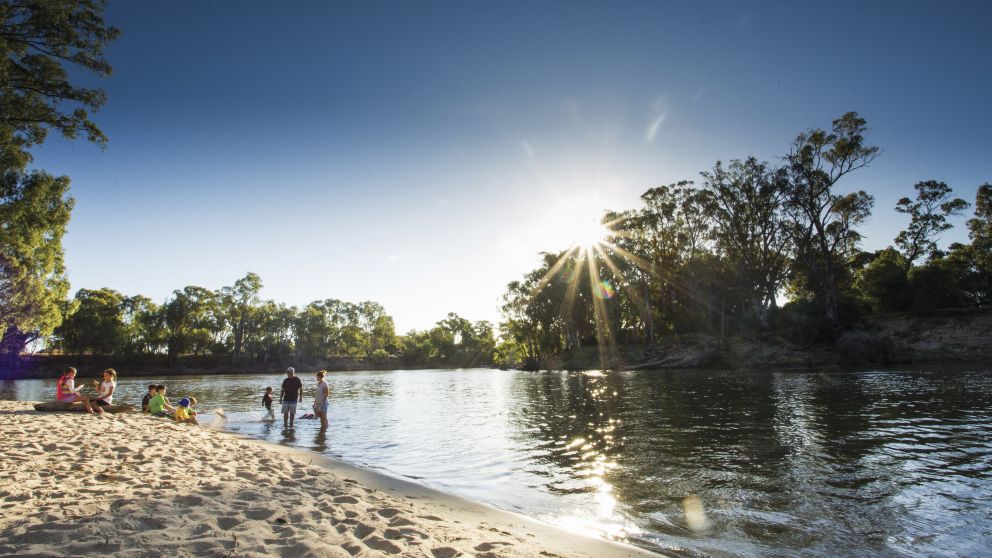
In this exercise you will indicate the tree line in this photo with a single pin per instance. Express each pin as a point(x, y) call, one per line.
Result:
point(717, 257)
point(235, 324)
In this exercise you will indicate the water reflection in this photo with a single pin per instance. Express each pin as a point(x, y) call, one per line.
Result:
point(698, 463)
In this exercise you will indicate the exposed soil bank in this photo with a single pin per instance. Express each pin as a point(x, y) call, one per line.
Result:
point(950, 336)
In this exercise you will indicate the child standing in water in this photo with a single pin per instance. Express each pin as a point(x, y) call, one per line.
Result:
point(267, 403)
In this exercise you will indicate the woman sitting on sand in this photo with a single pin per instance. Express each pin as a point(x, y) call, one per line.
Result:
point(66, 390)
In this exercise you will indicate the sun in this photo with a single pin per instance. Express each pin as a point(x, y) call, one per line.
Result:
point(576, 224)
point(585, 232)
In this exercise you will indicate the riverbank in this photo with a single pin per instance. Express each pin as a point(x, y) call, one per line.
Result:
point(132, 485)
point(942, 337)
point(52, 366)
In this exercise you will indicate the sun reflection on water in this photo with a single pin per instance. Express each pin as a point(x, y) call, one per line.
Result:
point(591, 457)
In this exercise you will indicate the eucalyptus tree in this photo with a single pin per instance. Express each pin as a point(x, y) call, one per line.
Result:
point(823, 222)
point(144, 326)
point(186, 319)
point(238, 308)
point(885, 281)
point(676, 226)
point(41, 42)
point(42, 45)
point(34, 212)
point(276, 331)
point(631, 252)
point(980, 226)
point(928, 218)
point(980, 233)
point(96, 326)
point(377, 334)
point(750, 228)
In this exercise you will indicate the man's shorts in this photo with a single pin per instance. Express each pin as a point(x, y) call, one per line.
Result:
point(289, 407)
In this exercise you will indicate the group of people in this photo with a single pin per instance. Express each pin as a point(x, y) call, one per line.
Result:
point(291, 395)
point(154, 403)
point(157, 404)
point(68, 392)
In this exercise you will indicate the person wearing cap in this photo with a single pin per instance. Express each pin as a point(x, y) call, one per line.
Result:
point(290, 394)
point(184, 412)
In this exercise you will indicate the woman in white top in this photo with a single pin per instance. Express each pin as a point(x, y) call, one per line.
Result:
point(320, 399)
point(105, 395)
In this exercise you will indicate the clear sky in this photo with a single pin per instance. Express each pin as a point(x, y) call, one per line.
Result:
point(421, 154)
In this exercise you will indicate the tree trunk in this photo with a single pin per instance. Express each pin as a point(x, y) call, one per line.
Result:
point(649, 315)
point(239, 334)
point(831, 306)
point(11, 346)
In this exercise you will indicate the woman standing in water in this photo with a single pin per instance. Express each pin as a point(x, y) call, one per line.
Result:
point(320, 399)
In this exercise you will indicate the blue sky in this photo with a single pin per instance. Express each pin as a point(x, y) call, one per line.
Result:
point(421, 154)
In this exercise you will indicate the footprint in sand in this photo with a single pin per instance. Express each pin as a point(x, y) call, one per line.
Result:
point(382, 545)
point(226, 523)
point(400, 521)
point(363, 530)
point(346, 500)
point(258, 513)
point(445, 552)
point(387, 512)
point(486, 546)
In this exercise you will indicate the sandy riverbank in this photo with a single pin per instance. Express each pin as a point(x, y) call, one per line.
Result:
point(131, 485)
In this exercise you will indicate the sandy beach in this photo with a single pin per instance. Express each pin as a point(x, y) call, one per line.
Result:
point(132, 485)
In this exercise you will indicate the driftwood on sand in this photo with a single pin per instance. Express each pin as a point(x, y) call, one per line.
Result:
point(77, 407)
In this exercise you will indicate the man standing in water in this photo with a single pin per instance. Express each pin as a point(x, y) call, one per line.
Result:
point(290, 394)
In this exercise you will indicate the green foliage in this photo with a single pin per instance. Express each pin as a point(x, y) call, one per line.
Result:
point(97, 325)
point(936, 285)
point(40, 43)
point(823, 222)
point(188, 319)
point(34, 212)
point(884, 282)
point(750, 229)
point(715, 260)
point(928, 218)
point(980, 228)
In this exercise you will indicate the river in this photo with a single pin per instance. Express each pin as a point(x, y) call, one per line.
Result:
point(695, 463)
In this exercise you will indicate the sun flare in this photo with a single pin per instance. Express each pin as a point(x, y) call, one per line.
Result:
point(577, 224)
point(585, 233)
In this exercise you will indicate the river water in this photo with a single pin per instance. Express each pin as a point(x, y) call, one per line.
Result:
point(693, 463)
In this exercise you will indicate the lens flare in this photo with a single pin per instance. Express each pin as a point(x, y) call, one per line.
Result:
point(604, 290)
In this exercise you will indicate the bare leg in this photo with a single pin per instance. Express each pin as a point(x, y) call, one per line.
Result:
point(323, 420)
point(86, 404)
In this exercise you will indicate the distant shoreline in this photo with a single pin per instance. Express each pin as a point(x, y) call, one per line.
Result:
point(943, 337)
